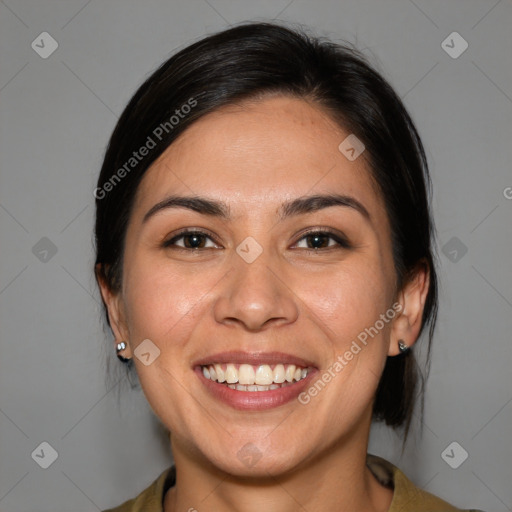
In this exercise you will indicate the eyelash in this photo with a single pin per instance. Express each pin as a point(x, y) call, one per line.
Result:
point(341, 241)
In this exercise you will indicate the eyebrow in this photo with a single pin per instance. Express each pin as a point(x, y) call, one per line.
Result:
point(298, 206)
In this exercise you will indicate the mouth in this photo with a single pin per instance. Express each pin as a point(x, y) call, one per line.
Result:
point(252, 378)
point(248, 381)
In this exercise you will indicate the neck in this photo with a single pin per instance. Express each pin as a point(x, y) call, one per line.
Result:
point(336, 480)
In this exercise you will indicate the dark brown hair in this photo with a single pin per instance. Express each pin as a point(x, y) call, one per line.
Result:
point(250, 61)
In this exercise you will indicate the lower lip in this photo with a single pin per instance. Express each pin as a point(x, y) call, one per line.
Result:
point(254, 400)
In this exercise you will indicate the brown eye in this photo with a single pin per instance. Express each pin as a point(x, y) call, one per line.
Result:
point(321, 240)
point(191, 240)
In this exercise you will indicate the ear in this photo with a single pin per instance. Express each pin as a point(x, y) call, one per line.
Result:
point(116, 314)
point(406, 326)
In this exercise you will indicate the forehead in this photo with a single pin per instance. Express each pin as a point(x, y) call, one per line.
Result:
point(257, 154)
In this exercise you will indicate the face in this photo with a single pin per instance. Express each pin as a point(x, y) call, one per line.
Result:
point(261, 293)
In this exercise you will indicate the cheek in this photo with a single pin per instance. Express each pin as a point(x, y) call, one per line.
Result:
point(164, 305)
point(161, 301)
point(350, 307)
point(350, 301)
point(353, 314)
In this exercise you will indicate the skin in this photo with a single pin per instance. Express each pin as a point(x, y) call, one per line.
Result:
point(196, 302)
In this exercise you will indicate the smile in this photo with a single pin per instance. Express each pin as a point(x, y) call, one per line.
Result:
point(254, 378)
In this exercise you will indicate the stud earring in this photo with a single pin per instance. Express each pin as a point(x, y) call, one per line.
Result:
point(121, 346)
point(402, 347)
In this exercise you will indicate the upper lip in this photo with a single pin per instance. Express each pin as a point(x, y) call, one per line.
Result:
point(255, 358)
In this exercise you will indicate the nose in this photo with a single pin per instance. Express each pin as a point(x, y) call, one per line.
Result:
point(256, 296)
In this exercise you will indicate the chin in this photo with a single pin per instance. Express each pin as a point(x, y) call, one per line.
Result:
point(260, 459)
point(256, 465)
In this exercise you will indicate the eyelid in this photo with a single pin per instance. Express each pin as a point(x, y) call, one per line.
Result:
point(337, 236)
point(188, 231)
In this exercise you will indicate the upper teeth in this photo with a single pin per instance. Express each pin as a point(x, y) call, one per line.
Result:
point(246, 374)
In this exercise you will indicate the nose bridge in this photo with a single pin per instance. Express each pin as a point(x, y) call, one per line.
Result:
point(254, 292)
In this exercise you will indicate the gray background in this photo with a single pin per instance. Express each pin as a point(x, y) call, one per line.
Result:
point(56, 115)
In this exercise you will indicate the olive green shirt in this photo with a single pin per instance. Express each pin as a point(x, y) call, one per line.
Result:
point(406, 496)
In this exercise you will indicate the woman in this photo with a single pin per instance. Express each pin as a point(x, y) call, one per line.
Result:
point(265, 258)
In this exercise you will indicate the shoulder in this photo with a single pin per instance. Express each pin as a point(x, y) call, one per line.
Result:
point(407, 497)
point(151, 498)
